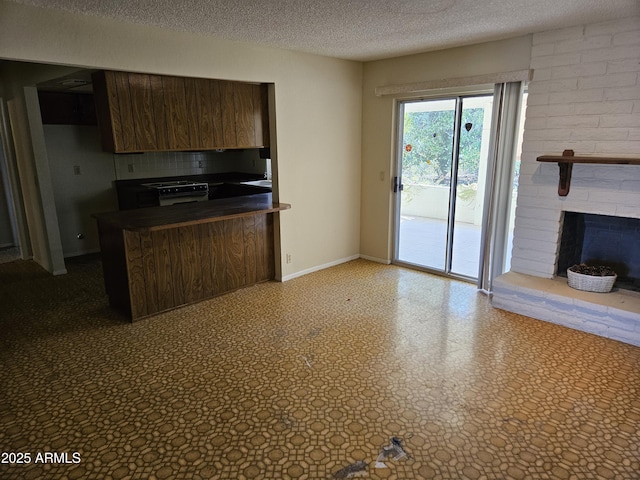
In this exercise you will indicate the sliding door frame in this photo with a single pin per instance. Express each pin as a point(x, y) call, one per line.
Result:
point(488, 232)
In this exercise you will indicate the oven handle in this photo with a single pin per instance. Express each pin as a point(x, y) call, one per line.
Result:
point(184, 194)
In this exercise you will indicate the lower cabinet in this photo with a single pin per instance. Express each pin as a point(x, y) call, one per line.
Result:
point(149, 272)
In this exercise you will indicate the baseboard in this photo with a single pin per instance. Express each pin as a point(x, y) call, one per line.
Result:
point(319, 267)
point(376, 259)
point(80, 253)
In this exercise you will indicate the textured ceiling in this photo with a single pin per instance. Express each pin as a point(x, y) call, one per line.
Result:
point(355, 29)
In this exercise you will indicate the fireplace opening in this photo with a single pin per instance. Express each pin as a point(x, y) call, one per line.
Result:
point(602, 240)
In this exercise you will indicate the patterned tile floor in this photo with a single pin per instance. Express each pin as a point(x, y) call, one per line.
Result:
point(305, 378)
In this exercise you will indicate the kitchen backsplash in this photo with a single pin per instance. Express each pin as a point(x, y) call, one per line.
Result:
point(167, 164)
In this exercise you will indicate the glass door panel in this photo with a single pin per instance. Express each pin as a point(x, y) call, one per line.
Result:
point(470, 183)
point(427, 152)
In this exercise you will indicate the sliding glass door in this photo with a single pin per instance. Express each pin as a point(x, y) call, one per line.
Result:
point(443, 153)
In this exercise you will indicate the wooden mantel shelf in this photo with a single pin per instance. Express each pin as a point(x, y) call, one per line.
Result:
point(567, 159)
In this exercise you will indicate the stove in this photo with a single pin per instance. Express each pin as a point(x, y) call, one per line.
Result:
point(179, 191)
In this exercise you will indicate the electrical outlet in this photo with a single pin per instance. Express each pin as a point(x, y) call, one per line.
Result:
point(288, 257)
point(381, 175)
point(130, 167)
point(200, 164)
point(76, 169)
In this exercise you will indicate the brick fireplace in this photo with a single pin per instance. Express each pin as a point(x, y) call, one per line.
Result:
point(584, 96)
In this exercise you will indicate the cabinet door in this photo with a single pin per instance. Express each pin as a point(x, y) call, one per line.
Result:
point(115, 117)
point(227, 104)
point(261, 112)
point(143, 113)
point(124, 111)
point(245, 115)
point(252, 118)
point(204, 108)
point(159, 113)
point(126, 140)
point(176, 113)
point(193, 112)
point(210, 113)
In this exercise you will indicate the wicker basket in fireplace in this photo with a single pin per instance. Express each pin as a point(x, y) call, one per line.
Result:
point(599, 279)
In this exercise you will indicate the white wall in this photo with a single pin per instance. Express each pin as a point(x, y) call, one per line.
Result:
point(78, 196)
point(378, 155)
point(317, 110)
point(585, 96)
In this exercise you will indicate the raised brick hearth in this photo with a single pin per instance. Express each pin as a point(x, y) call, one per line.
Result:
point(613, 315)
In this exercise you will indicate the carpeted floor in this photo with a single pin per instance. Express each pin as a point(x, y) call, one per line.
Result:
point(314, 378)
point(9, 254)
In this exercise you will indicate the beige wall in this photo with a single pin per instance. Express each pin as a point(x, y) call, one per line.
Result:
point(378, 155)
point(318, 111)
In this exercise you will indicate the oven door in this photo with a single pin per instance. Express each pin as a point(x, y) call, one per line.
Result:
point(189, 198)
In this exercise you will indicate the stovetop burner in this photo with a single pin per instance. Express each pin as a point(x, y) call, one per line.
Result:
point(179, 191)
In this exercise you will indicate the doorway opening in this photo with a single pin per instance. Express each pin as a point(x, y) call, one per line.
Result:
point(10, 248)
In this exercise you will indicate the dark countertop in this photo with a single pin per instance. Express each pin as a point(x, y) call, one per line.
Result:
point(184, 214)
point(234, 177)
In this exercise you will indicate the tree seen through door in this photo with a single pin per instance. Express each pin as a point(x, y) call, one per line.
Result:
point(428, 137)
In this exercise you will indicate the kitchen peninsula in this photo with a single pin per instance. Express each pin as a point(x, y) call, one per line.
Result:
point(159, 258)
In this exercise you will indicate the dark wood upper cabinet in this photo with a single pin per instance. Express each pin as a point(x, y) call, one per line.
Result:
point(142, 111)
point(227, 105)
point(67, 108)
point(261, 114)
point(176, 112)
point(106, 111)
point(159, 113)
point(245, 115)
point(127, 127)
point(139, 112)
point(209, 116)
point(193, 111)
